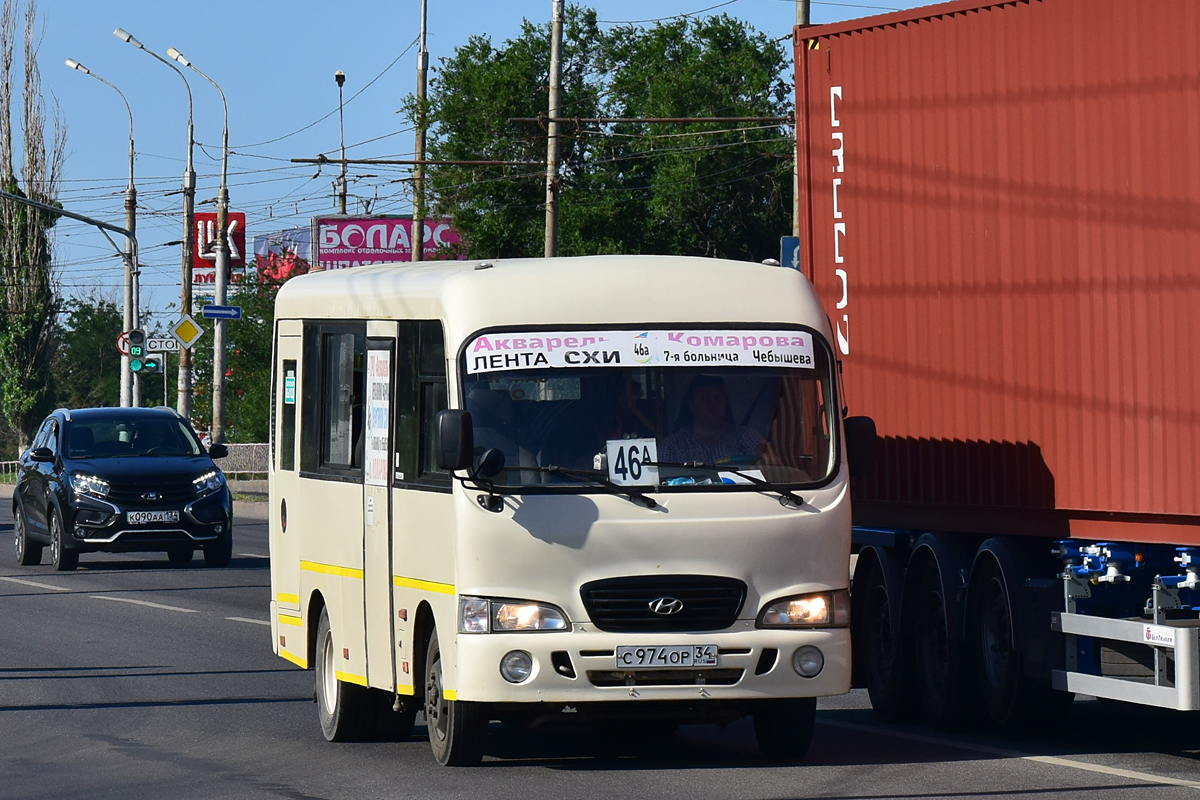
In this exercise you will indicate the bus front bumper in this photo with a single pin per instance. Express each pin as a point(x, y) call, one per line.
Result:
point(581, 666)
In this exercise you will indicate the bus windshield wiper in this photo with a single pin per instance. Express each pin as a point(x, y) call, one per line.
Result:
point(595, 476)
point(786, 497)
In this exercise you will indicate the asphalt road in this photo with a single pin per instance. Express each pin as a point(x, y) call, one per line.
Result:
point(130, 678)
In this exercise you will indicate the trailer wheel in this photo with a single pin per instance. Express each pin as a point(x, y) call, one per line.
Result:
point(938, 656)
point(456, 728)
point(877, 646)
point(346, 711)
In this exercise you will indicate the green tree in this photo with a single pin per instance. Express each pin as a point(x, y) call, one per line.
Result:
point(87, 366)
point(27, 293)
point(694, 189)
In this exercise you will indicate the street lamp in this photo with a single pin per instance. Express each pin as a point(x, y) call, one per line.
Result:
point(222, 265)
point(184, 385)
point(130, 386)
point(340, 77)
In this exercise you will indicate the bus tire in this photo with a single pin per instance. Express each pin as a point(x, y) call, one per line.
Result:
point(346, 711)
point(877, 644)
point(28, 552)
point(456, 728)
point(784, 728)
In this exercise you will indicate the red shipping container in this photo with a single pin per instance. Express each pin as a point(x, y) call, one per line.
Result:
point(1000, 207)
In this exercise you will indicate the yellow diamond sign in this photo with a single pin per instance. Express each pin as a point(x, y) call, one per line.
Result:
point(186, 331)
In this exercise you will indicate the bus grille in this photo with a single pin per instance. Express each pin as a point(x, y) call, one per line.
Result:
point(624, 604)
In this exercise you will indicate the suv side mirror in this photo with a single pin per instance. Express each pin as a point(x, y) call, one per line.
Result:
point(861, 445)
point(454, 446)
point(43, 454)
point(218, 450)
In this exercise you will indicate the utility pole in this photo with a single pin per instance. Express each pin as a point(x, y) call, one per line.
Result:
point(340, 77)
point(418, 221)
point(802, 18)
point(556, 26)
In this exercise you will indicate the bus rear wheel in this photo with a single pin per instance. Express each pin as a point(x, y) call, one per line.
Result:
point(347, 711)
point(456, 728)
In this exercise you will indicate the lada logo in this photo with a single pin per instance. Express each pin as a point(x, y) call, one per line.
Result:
point(666, 606)
point(150, 495)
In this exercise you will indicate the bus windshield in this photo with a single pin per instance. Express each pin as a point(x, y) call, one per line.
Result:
point(652, 408)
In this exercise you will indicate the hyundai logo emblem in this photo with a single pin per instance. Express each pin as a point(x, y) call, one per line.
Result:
point(666, 606)
point(150, 496)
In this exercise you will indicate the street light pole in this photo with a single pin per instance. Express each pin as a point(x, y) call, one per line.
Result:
point(418, 220)
point(130, 386)
point(222, 264)
point(184, 385)
point(556, 28)
point(340, 77)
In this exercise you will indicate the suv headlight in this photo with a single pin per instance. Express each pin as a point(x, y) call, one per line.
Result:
point(484, 615)
point(209, 482)
point(84, 484)
point(814, 610)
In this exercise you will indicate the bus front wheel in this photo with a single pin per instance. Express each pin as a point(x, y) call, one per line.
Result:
point(456, 728)
point(347, 711)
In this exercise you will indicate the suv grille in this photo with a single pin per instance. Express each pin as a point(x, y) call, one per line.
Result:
point(623, 604)
point(175, 492)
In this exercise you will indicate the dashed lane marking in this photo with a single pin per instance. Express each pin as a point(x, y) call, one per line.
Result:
point(251, 621)
point(1056, 761)
point(146, 603)
point(35, 584)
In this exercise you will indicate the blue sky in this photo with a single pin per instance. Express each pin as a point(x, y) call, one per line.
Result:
point(275, 62)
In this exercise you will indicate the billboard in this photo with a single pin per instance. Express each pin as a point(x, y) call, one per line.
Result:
point(204, 242)
point(342, 242)
point(282, 254)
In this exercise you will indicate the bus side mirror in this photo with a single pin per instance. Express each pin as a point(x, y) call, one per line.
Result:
point(455, 446)
point(218, 451)
point(861, 445)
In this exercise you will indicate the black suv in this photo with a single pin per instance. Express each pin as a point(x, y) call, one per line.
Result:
point(121, 480)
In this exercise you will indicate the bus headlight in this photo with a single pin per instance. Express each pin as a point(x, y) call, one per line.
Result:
point(484, 615)
point(817, 609)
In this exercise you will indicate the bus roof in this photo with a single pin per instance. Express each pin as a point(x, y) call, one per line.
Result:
point(580, 291)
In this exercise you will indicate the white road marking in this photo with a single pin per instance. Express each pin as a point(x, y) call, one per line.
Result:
point(1056, 761)
point(251, 555)
point(35, 584)
point(252, 621)
point(146, 603)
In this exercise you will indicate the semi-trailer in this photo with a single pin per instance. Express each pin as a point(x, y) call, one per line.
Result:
point(1000, 209)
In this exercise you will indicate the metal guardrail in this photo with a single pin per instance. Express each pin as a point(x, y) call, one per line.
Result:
point(243, 460)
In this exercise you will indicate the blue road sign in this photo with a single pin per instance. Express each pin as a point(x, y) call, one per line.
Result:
point(221, 312)
point(789, 251)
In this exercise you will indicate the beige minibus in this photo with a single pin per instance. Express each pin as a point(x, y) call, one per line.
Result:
point(608, 491)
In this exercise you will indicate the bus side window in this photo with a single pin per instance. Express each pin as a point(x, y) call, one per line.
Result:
point(332, 400)
point(420, 394)
point(287, 418)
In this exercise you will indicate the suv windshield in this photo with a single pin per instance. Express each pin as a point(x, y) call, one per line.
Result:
point(652, 408)
point(152, 435)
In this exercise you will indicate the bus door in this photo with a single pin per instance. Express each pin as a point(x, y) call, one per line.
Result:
point(285, 474)
point(377, 515)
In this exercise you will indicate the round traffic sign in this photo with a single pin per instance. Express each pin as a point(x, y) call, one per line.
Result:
point(123, 343)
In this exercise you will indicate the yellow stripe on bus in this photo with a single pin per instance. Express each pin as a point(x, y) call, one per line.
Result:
point(297, 660)
point(288, 619)
point(331, 569)
point(294, 599)
point(428, 586)
point(347, 677)
point(450, 694)
point(408, 690)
